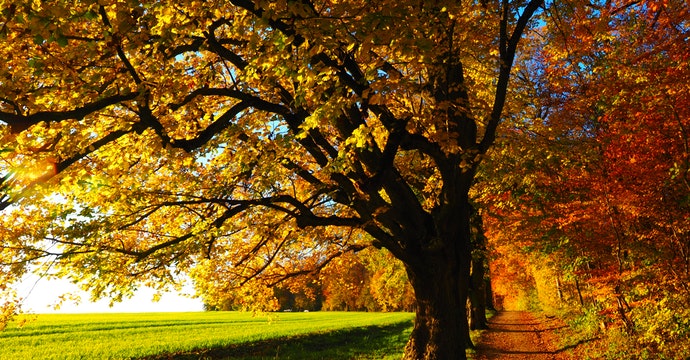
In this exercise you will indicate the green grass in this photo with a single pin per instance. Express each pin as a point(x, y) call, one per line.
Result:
point(209, 335)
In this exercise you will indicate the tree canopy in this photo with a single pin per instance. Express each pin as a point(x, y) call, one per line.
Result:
point(246, 143)
point(251, 141)
point(587, 207)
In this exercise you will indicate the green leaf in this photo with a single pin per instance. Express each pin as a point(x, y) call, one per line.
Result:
point(90, 15)
point(35, 63)
point(61, 40)
point(38, 39)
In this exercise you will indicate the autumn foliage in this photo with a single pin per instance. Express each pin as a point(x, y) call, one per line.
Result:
point(598, 212)
point(264, 147)
point(369, 280)
point(247, 143)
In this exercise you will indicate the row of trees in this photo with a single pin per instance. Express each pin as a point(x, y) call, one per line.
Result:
point(594, 198)
point(370, 280)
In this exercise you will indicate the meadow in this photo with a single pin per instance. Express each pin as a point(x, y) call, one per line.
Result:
point(208, 335)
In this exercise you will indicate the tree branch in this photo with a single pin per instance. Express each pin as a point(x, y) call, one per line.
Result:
point(507, 49)
point(323, 264)
point(19, 122)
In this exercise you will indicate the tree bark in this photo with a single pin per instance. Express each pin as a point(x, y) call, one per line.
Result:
point(489, 294)
point(441, 281)
point(478, 296)
point(438, 266)
point(441, 330)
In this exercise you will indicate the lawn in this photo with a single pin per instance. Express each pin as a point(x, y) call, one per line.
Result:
point(209, 335)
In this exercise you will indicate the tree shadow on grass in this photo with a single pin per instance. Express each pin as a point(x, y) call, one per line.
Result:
point(370, 342)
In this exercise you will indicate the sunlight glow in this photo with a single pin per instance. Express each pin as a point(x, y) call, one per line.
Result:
point(45, 295)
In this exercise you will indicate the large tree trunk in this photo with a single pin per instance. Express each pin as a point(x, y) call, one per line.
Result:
point(441, 283)
point(441, 330)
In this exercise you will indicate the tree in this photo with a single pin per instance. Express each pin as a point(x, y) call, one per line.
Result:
point(346, 285)
point(479, 279)
point(389, 284)
point(371, 280)
point(252, 140)
point(603, 199)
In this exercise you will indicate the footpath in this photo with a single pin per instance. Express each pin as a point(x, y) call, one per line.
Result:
point(517, 335)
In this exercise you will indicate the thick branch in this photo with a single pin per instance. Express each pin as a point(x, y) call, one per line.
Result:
point(19, 122)
point(217, 47)
point(507, 49)
point(255, 101)
point(217, 223)
point(6, 198)
point(305, 217)
point(111, 137)
point(274, 23)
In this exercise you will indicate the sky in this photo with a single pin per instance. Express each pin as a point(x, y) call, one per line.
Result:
point(42, 297)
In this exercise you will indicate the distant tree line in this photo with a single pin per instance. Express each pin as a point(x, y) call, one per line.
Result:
point(364, 281)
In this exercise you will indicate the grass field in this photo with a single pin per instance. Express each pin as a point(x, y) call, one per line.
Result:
point(209, 335)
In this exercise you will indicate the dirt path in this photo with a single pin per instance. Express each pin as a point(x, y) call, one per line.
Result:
point(516, 335)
